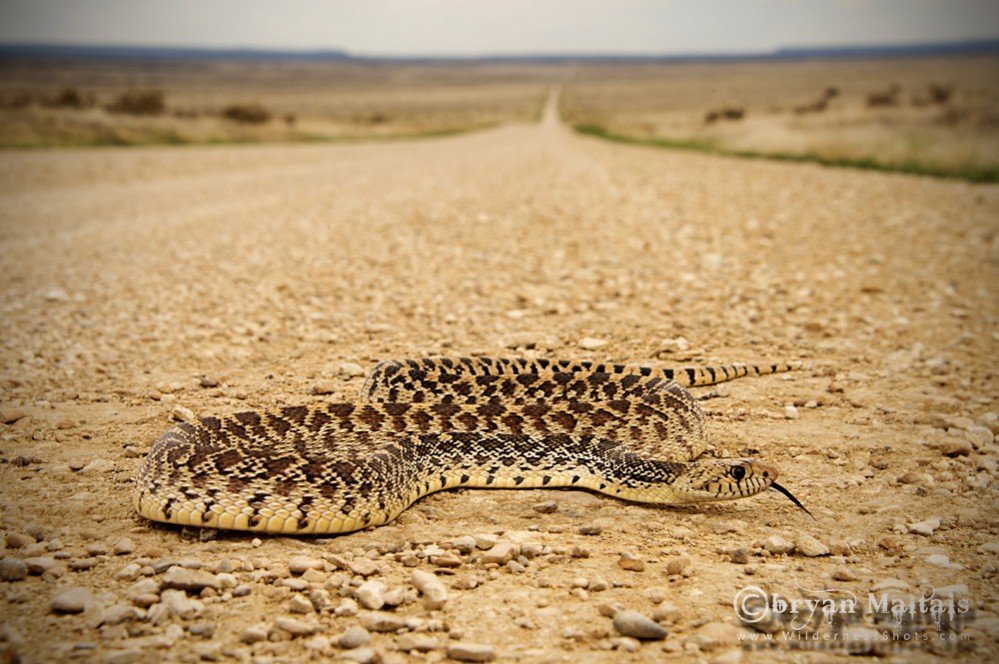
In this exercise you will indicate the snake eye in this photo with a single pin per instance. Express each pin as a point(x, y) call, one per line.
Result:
point(738, 473)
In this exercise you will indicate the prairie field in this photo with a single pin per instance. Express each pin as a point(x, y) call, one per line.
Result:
point(941, 114)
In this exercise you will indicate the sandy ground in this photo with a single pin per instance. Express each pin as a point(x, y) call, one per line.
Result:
point(139, 283)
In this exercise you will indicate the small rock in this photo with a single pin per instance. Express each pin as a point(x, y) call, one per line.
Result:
point(501, 553)
point(677, 565)
point(843, 574)
point(471, 652)
point(739, 556)
point(591, 343)
point(323, 388)
point(666, 612)
point(380, 621)
point(546, 507)
point(677, 345)
point(192, 580)
point(254, 633)
point(351, 369)
point(179, 604)
point(363, 655)
point(302, 564)
point(299, 604)
point(891, 584)
point(370, 594)
point(979, 436)
point(98, 466)
point(433, 591)
point(17, 540)
point(40, 565)
point(354, 637)
point(926, 527)
point(629, 562)
point(123, 546)
point(810, 546)
point(633, 623)
point(953, 447)
point(790, 413)
point(129, 572)
point(72, 600)
point(363, 566)
point(13, 569)
point(416, 641)
point(182, 414)
point(591, 529)
point(485, 541)
point(9, 415)
point(778, 545)
point(296, 627)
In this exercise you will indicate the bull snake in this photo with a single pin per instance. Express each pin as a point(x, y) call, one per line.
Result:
point(424, 425)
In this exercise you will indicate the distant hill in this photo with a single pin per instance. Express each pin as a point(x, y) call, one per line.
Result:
point(789, 53)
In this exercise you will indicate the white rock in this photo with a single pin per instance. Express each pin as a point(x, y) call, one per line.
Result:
point(433, 591)
point(926, 527)
point(590, 343)
point(370, 594)
point(633, 623)
point(72, 600)
point(810, 546)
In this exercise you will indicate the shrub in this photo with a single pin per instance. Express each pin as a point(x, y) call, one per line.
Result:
point(884, 98)
point(246, 113)
point(69, 98)
point(139, 102)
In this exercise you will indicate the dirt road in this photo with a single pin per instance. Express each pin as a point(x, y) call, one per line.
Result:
point(140, 284)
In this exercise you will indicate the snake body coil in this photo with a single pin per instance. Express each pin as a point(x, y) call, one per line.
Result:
point(425, 425)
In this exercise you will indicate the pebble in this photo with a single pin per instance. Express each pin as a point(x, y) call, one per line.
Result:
point(16, 540)
point(351, 369)
point(591, 529)
point(9, 415)
point(123, 546)
point(810, 546)
point(129, 572)
point(323, 388)
point(354, 637)
point(629, 562)
point(677, 565)
point(182, 414)
point(778, 545)
point(791, 413)
point(179, 604)
point(296, 627)
point(72, 600)
point(302, 564)
point(471, 652)
point(254, 634)
point(380, 621)
point(546, 507)
point(299, 604)
point(666, 612)
point(891, 584)
point(13, 569)
point(633, 623)
point(40, 564)
point(485, 541)
point(193, 580)
point(370, 594)
point(363, 566)
point(501, 553)
point(926, 527)
point(362, 655)
point(979, 436)
point(464, 544)
point(953, 447)
point(416, 641)
point(433, 591)
point(739, 556)
point(98, 466)
point(843, 574)
point(591, 343)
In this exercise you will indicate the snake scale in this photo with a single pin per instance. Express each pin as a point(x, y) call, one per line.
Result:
point(629, 431)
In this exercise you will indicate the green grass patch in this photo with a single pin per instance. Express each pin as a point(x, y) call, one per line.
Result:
point(980, 174)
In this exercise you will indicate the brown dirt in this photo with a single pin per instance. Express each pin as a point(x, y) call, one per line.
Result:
point(130, 278)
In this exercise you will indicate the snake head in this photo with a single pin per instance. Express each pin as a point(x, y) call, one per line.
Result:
point(725, 479)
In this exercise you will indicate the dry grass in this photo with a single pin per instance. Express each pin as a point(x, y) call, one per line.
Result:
point(927, 114)
point(252, 101)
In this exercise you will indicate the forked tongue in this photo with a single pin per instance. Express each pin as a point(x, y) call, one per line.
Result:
point(778, 488)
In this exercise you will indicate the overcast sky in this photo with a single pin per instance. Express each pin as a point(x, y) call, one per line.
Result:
point(496, 27)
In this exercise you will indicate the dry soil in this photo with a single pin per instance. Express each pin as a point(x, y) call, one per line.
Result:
point(141, 284)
